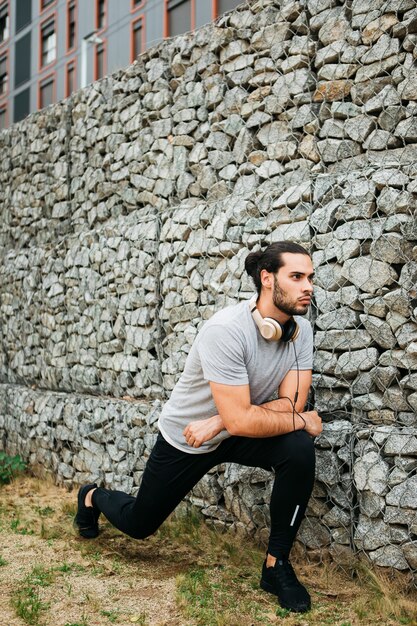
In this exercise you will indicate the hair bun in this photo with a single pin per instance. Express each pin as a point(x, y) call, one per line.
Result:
point(251, 262)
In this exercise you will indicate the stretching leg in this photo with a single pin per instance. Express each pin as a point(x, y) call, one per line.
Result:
point(168, 476)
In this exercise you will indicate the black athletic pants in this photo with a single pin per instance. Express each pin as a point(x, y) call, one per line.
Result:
point(170, 474)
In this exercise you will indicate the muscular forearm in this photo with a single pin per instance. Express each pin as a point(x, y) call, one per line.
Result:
point(261, 421)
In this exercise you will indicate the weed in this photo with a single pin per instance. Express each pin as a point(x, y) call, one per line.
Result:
point(112, 616)
point(26, 600)
point(10, 466)
point(2, 561)
point(280, 612)
point(16, 527)
point(45, 511)
point(70, 567)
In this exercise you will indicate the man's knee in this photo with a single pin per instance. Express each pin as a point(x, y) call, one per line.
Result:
point(142, 532)
point(300, 451)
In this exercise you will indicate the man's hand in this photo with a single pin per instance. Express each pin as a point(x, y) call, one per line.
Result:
point(200, 431)
point(313, 425)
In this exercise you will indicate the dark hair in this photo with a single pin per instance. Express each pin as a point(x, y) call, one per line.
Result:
point(270, 259)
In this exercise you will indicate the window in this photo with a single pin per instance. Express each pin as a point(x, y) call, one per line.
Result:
point(21, 105)
point(137, 38)
point(46, 93)
point(22, 55)
point(179, 17)
point(48, 45)
point(99, 61)
point(3, 118)
point(46, 3)
point(4, 22)
point(135, 4)
point(71, 26)
point(101, 14)
point(23, 13)
point(227, 5)
point(70, 84)
point(4, 77)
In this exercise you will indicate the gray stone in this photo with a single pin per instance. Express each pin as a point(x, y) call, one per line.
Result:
point(359, 128)
point(407, 130)
point(371, 504)
point(389, 556)
point(404, 495)
point(371, 533)
point(332, 150)
point(379, 330)
point(410, 553)
point(350, 363)
point(391, 248)
point(367, 274)
point(342, 339)
point(407, 89)
point(371, 473)
point(385, 47)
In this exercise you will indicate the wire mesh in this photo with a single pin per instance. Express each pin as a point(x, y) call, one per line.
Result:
point(127, 213)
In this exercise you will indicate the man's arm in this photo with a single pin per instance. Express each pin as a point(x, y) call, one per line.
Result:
point(240, 417)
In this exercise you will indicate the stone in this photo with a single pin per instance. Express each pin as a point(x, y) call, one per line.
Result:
point(371, 473)
point(407, 130)
point(332, 150)
point(385, 47)
point(387, 97)
point(367, 89)
point(308, 148)
point(313, 535)
point(332, 128)
point(359, 128)
point(407, 89)
point(361, 360)
point(402, 444)
point(374, 29)
point(270, 35)
point(410, 553)
point(379, 330)
point(390, 117)
point(274, 132)
point(342, 339)
point(371, 504)
point(380, 140)
point(389, 556)
point(371, 533)
point(391, 248)
point(333, 90)
point(404, 495)
point(334, 29)
point(367, 274)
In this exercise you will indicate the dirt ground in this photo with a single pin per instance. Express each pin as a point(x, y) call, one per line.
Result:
point(185, 575)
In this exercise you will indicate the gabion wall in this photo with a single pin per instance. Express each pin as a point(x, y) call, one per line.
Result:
point(127, 212)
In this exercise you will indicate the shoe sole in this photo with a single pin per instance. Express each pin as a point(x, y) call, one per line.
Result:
point(270, 589)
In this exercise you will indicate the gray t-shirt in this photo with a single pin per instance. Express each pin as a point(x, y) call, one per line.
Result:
point(229, 349)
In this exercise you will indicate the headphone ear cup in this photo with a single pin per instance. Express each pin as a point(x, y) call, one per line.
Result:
point(291, 330)
point(271, 329)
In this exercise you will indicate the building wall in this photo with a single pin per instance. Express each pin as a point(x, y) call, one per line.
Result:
point(126, 215)
point(116, 35)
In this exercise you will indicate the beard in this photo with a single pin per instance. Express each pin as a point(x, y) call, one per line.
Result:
point(284, 304)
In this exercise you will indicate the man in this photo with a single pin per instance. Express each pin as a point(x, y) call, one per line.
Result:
point(219, 412)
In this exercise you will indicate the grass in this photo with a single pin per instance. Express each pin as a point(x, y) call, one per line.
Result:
point(26, 599)
point(185, 575)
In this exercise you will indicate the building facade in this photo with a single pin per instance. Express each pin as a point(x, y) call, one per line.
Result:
point(50, 48)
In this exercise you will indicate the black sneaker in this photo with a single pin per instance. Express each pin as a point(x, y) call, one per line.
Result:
point(282, 582)
point(86, 519)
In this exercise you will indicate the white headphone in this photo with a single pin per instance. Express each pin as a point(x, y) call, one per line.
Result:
point(270, 328)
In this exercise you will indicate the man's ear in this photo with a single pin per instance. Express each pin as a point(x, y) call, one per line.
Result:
point(267, 279)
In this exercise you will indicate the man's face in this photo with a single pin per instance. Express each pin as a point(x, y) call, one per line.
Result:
point(293, 284)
